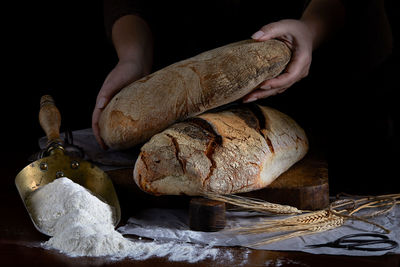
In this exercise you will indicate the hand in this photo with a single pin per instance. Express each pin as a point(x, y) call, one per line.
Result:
point(298, 37)
point(124, 73)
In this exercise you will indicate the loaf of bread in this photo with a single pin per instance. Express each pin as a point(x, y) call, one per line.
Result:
point(188, 88)
point(232, 151)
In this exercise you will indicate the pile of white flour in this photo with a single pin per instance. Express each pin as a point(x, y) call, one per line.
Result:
point(82, 225)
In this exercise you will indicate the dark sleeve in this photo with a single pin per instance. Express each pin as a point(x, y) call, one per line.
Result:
point(114, 9)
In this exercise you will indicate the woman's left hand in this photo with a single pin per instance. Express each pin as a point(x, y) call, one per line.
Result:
point(298, 37)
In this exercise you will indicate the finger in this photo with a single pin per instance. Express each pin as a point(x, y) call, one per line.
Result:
point(260, 93)
point(283, 80)
point(104, 96)
point(266, 93)
point(102, 101)
point(281, 90)
point(96, 129)
point(114, 82)
point(270, 31)
point(295, 71)
point(107, 91)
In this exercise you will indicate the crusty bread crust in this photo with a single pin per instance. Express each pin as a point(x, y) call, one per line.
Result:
point(188, 88)
point(232, 151)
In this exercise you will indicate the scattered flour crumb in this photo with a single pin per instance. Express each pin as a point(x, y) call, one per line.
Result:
point(82, 225)
point(284, 262)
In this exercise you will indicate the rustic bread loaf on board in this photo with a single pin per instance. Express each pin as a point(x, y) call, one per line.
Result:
point(232, 151)
point(187, 88)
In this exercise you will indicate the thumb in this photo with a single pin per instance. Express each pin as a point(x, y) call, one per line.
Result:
point(110, 87)
point(101, 102)
point(269, 31)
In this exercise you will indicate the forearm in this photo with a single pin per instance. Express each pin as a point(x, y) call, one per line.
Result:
point(323, 18)
point(133, 41)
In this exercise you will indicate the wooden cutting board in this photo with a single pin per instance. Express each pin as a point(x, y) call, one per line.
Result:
point(304, 185)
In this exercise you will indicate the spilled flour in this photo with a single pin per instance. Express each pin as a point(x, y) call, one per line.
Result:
point(82, 225)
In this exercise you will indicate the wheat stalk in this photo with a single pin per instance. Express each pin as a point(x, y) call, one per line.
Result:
point(307, 218)
point(376, 204)
point(285, 224)
point(276, 239)
point(253, 204)
point(330, 224)
point(288, 226)
point(335, 216)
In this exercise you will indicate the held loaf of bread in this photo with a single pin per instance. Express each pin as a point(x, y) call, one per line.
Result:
point(226, 152)
point(188, 88)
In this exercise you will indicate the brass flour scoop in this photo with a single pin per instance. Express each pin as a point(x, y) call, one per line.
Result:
point(56, 164)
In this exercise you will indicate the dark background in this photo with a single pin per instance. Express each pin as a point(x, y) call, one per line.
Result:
point(61, 48)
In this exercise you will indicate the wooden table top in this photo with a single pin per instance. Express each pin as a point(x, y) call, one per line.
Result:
point(19, 241)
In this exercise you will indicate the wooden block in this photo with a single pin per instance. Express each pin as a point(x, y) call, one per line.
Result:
point(305, 186)
point(206, 215)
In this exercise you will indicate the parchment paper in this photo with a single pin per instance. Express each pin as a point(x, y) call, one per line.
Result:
point(162, 224)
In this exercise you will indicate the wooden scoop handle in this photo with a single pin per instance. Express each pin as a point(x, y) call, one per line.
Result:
point(50, 119)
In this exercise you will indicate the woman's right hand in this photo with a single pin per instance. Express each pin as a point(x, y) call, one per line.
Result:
point(124, 73)
point(133, 43)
